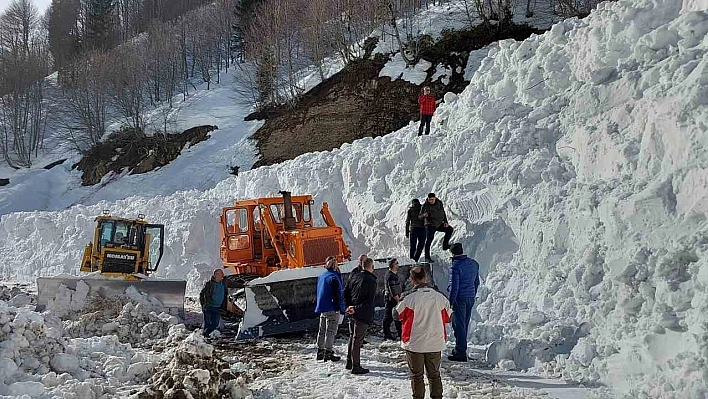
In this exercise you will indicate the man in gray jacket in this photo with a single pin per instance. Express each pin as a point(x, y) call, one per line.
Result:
point(435, 218)
point(392, 294)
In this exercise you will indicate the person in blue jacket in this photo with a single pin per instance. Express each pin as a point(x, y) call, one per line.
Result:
point(330, 304)
point(462, 288)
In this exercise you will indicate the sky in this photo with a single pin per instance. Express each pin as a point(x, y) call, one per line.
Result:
point(41, 4)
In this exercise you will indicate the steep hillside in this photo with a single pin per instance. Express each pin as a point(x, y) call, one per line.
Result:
point(573, 168)
point(368, 99)
point(199, 166)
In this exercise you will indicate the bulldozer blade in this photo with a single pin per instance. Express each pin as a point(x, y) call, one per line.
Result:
point(287, 306)
point(169, 292)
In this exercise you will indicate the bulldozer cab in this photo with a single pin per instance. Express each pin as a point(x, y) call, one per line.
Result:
point(263, 235)
point(124, 247)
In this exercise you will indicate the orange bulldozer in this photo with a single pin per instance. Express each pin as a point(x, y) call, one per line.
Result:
point(272, 251)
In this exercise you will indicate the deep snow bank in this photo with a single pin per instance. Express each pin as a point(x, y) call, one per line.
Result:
point(572, 167)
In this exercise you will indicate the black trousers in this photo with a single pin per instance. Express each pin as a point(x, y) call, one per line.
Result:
point(388, 318)
point(424, 121)
point(417, 237)
point(357, 330)
point(430, 234)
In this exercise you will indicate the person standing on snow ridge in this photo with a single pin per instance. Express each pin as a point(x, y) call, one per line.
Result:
point(359, 297)
point(426, 101)
point(330, 304)
point(213, 299)
point(435, 218)
point(463, 284)
point(424, 312)
point(392, 294)
point(415, 230)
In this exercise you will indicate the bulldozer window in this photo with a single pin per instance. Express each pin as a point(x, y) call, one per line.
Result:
point(278, 212)
point(257, 220)
point(121, 235)
point(237, 221)
point(106, 234)
point(307, 217)
point(239, 242)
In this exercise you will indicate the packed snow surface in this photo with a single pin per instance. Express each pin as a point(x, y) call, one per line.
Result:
point(572, 168)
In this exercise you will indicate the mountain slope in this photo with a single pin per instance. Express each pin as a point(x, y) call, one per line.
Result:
point(573, 168)
point(60, 187)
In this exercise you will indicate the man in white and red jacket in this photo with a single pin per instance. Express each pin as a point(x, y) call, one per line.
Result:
point(423, 313)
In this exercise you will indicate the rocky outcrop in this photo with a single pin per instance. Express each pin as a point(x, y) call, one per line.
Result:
point(131, 151)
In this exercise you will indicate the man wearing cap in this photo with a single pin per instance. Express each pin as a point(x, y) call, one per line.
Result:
point(462, 289)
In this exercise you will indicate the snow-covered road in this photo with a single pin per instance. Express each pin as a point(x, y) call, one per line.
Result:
point(286, 368)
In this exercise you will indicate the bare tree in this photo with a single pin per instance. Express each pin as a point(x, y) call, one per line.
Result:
point(24, 62)
point(85, 102)
point(129, 83)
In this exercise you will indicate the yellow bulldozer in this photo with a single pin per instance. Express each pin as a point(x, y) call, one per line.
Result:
point(124, 253)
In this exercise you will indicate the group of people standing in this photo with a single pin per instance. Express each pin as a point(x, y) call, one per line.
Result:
point(420, 314)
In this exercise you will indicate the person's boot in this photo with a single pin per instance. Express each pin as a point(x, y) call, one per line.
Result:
point(330, 356)
point(320, 354)
point(429, 260)
point(457, 358)
point(358, 370)
point(446, 246)
point(348, 366)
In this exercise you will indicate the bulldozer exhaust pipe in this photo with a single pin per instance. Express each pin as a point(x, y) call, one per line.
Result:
point(289, 221)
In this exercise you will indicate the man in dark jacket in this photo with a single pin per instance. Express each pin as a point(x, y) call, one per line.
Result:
point(462, 288)
point(359, 297)
point(415, 230)
point(213, 299)
point(392, 294)
point(435, 218)
point(330, 304)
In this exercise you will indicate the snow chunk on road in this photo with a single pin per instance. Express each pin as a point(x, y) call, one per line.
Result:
point(64, 363)
point(29, 388)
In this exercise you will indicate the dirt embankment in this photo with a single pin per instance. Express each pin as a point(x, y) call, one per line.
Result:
point(134, 151)
point(356, 103)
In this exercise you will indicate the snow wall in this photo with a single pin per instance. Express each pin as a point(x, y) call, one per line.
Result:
point(573, 167)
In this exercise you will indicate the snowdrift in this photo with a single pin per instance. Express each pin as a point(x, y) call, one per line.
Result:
point(573, 168)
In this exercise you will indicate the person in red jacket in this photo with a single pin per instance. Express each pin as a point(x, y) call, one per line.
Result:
point(426, 101)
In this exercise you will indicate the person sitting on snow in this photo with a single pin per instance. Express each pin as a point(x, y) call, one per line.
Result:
point(435, 218)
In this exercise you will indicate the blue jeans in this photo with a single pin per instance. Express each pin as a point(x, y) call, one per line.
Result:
point(461, 315)
point(212, 317)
